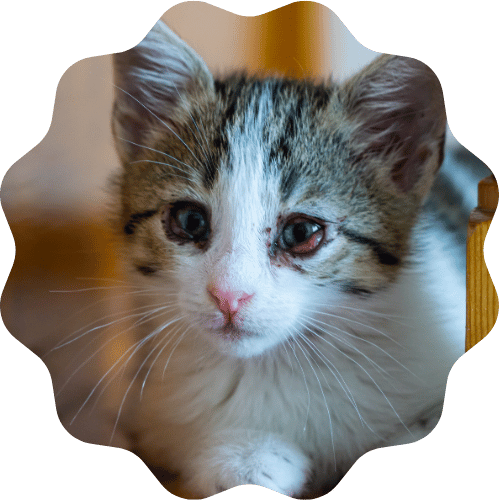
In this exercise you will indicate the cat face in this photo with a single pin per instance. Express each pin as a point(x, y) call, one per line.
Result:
point(256, 202)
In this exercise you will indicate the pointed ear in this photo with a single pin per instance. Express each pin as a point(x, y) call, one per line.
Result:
point(396, 108)
point(156, 83)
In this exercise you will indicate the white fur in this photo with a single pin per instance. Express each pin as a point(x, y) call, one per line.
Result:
point(280, 397)
point(231, 458)
point(256, 409)
point(243, 204)
point(271, 406)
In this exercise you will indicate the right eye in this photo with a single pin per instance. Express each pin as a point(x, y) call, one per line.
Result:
point(187, 221)
point(302, 236)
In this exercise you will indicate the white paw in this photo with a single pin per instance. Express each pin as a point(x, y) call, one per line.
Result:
point(279, 467)
point(267, 462)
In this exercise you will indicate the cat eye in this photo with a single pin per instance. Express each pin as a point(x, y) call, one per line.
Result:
point(301, 236)
point(187, 221)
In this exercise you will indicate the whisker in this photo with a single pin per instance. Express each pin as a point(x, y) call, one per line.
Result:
point(375, 384)
point(342, 383)
point(355, 322)
point(156, 358)
point(290, 363)
point(172, 352)
point(338, 376)
point(315, 322)
point(122, 369)
point(103, 346)
point(137, 293)
point(91, 289)
point(305, 383)
point(100, 327)
point(182, 97)
point(111, 379)
point(134, 347)
point(324, 399)
point(161, 121)
point(185, 177)
point(365, 311)
point(120, 409)
point(160, 152)
point(343, 341)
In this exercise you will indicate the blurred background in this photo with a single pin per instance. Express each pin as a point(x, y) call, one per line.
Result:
point(66, 280)
point(70, 167)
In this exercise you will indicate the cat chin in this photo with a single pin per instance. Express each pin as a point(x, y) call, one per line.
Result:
point(239, 343)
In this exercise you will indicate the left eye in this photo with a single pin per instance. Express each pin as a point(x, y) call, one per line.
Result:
point(187, 221)
point(301, 236)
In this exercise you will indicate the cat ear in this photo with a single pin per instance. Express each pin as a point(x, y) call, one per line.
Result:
point(396, 108)
point(156, 82)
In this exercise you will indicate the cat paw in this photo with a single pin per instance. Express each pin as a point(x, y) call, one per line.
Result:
point(279, 468)
point(271, 463)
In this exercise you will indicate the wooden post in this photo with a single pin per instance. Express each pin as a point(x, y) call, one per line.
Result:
point(482, 299)
point(291, 41)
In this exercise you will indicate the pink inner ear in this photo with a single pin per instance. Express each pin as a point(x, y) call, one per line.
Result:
point(398, 107)
point(408, 171)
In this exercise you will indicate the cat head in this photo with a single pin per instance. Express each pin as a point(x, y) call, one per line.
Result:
point(256, 201)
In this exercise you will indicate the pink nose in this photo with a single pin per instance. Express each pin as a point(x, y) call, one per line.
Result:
point(229, 301)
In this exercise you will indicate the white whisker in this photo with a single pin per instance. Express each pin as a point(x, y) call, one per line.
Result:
point(339, 378)
point(355, 322)
point(172, 352)
point(305, 384)
point(364, 311)
point(324, 399)
point(315, 322)
point(105, 325)
point(160, 152)
point(120, 409)
point(375, 384)
point(134, 347)
point(161, 121)
point(156, 358)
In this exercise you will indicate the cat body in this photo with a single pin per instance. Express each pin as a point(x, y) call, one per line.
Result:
point(207, 409)
point(304, 306)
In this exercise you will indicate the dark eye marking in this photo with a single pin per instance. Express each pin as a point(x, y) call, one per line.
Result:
point(137, 218)
point(383, 255)
point(352, 288)
point(186, 221)
point(147, 270)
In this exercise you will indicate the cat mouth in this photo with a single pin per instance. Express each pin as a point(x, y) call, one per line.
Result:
point(230, 331)
point(227, 329)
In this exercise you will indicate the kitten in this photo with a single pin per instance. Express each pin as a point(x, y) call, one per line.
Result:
point(307, 300)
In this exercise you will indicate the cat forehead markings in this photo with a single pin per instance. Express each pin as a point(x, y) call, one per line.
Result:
point(282, 117)
point(245, 191)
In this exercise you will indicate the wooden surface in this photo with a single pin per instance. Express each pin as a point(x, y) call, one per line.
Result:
point(482, 299)
point(290, 41)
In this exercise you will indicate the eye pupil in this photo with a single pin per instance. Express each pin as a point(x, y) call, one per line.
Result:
point(301, 232)
point(298, 232)
point(193, 221)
